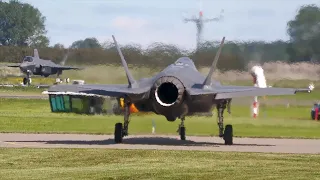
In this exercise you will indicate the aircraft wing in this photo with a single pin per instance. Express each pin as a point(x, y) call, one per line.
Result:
point(226, 92)
point(12, 65)
point(18, 65)
point(133, 89)
point(69, 67)
point(113, 90)
point(65, 67)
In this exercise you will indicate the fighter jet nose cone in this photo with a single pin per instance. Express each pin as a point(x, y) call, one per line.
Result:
point(23, 66)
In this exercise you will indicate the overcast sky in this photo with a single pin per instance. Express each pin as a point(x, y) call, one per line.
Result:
point(147, 21)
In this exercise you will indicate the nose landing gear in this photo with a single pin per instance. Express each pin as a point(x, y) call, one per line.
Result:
point(27, 80)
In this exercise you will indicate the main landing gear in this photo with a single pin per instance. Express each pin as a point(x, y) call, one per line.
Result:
point(182, 129)
point(59, 80)
point(121, 131)
point(226, 134)
point(27, 80)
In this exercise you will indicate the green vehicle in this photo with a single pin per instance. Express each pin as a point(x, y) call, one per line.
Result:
point(76, 103)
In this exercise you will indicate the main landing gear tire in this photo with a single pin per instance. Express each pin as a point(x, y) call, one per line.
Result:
point(228, 135)
point(182, 132)
point(118, 133)
point(25, 81)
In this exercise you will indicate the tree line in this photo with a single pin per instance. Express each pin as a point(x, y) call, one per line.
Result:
point(22, 29)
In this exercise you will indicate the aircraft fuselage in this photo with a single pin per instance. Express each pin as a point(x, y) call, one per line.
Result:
point(168, 95)
point(39, 67)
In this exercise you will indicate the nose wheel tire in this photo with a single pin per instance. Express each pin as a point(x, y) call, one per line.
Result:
point(118, 133)
point(228, 135)
point(26, 81)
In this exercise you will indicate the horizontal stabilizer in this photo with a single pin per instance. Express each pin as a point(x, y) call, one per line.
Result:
point(66, 67)
point(63, 61)
point(112, 90)
point(36, 53)
point(222, 92)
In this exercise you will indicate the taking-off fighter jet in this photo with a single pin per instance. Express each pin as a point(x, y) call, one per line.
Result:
point(177, 91)
point(34, 65)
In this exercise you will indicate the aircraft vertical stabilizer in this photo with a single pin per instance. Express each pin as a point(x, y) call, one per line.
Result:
point(36, 54)
point(207, 81)
point(131, 81)
point(65, 58)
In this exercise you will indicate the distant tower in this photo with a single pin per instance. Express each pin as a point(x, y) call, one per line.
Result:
point(199, 23)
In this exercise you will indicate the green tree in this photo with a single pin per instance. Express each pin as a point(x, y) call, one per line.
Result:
point(58, 46)
point(21, 24)
point(86, 43)
point(304, 32)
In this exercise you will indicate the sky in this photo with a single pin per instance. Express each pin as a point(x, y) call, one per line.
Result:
point(146, 21)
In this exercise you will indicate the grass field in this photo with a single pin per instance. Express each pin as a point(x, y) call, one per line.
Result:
point(277, 74)
point(305, 99)
point(153, 164)
point(297, 75)
point(17, 115)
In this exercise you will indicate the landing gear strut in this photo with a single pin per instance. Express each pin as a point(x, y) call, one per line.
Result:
point(59, 80)
point(121, 131)
point(27, 80)
point(228, 132)
point(182, 129)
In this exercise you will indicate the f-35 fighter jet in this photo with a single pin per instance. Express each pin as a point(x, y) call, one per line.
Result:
point(177, 91)
point(34, 65)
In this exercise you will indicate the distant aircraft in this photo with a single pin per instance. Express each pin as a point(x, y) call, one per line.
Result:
point(177, 91)
point(34, 65)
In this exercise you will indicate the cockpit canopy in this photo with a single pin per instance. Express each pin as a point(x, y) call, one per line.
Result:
point(185, 61)
point(27, 59)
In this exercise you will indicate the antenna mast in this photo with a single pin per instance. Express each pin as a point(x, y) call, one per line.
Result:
point(199, 21)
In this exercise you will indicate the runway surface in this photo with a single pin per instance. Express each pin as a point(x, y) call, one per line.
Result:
point(16, 140)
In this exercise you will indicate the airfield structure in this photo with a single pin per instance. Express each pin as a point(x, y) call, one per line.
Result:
point(200, 23)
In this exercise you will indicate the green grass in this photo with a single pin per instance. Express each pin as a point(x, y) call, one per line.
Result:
point(35, 80)
point(20, 90)
point(34, 116)
point(298, 99)
point(153, 164)
point(115, 75)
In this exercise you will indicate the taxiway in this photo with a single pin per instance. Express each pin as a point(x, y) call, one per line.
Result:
point(16, 140)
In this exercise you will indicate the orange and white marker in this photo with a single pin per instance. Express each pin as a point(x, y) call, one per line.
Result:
point(259, 80)
point(255, 107)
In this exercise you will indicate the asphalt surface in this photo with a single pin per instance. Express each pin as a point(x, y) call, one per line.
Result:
point(16, 140)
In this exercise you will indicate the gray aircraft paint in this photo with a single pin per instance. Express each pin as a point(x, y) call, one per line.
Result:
point(34, 65)
point(199, 93)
